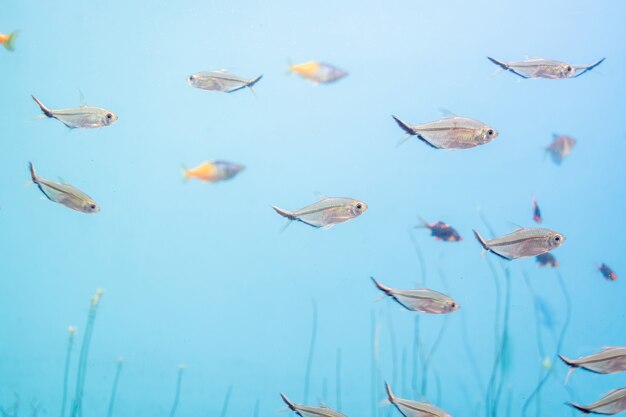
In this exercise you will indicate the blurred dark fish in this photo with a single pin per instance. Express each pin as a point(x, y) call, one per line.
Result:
point(612, 403)
point(609, 361)
point(560, 147)
point(9, 40)
point(546, 260)
point(221, 80)
point(441, 231)
point(83, 117)
point(310, 411)
point(607, 272)
point(451, 133)
point(318, 72)
point(522, 243)
point(410, 408)
point(536, 212)
point(327, 212)
point(422, 300)
point(213, 171)
point(65, 194)
point(544, 68)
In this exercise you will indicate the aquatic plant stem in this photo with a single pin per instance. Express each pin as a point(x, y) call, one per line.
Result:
point(226, 401)
point(309, 362)
point(420, 258)
point(68, 356)
point(179, 380)
point(428, 356)
point(338, 379)
point(394, 347)
point(559, 345)
point(257, 405)
point(372, 365)
point(540, 347)
point(116, 380)
point(84, 353)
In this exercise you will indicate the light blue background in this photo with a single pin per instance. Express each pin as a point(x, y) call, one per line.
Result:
point(200, 274)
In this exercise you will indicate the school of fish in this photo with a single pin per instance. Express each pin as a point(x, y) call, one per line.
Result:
point(451, 132)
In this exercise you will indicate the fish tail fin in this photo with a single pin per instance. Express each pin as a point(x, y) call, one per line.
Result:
point(289, 66)
point(569, 363)
point(185, 172)
point(390, 395)
point(498, 63)
point(253, 82)
point(424, 223)
point(404, 126)
point(287, 401)
point(380, 286)
point(482, 241)
point(43, 108)
point(33, 173)
point(287, 214)
point(9, 44)
point(579, 407)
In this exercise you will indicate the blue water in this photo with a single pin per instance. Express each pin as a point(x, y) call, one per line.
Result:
point(201, 275)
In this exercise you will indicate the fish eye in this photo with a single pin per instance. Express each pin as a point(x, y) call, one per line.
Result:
point(557, 238)
point(92, 206)
point(109, 116)
point(490, 132)
point(568, 68)
point(191, 77)
point(359, 206)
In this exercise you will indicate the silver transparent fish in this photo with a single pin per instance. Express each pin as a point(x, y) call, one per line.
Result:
point(422, 300)
point(83, 117)
point(451, 133)
point(310, 411)
point(522, 243)
point(221, 80)
point(327, 212)
point(544, 68)
point(413, 408)
point(612, 403)
point(609, 361)
point(65, 194)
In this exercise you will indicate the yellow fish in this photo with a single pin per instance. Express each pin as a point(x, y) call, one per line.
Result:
point(213, 171)
point(318, 72)
point(9, 40)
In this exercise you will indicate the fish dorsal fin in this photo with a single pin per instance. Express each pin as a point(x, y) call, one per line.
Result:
point(81, 98)
point(447, 113)
point(607, 348)
point(319, 195)
point(515, 226)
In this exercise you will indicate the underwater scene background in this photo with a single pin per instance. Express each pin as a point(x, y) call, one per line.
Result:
point(201, 274)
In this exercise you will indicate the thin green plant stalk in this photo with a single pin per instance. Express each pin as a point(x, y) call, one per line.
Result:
point(71, 330)
point(116, 380)
point(338, 380)
point(559, 345)
point(226, 401)
point(179, 380)
point(309, 362)
point(77, 406)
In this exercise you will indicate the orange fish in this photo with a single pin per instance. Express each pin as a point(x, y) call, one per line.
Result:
point(213, 171)
point(318, 72)
point(8, 40)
